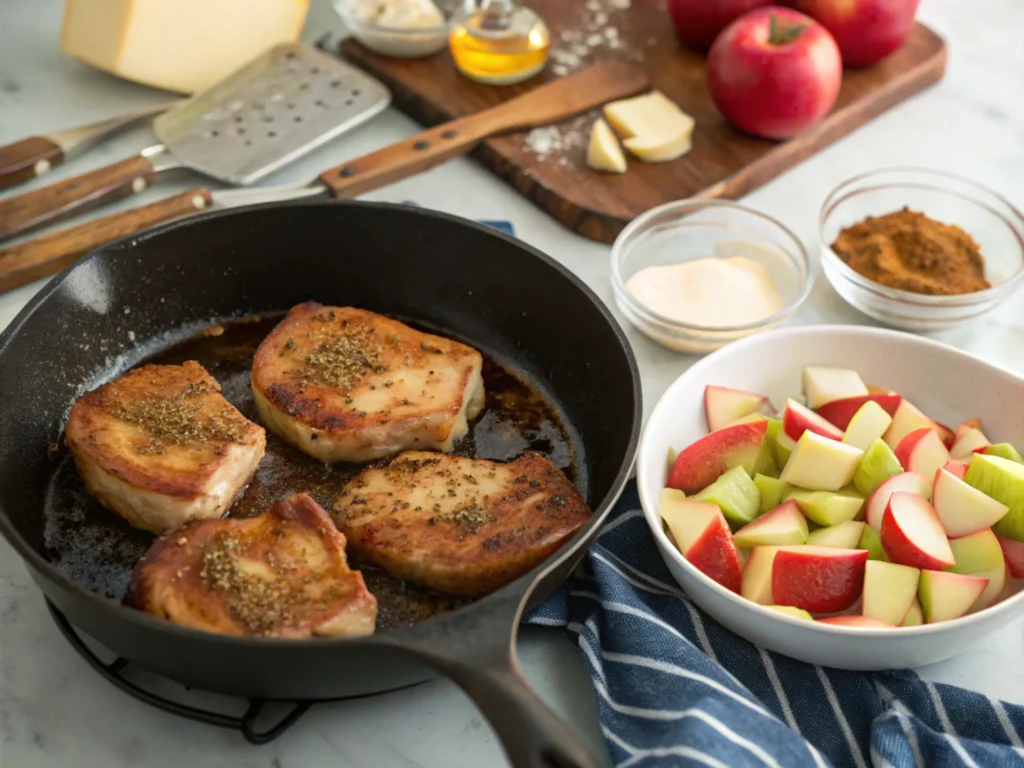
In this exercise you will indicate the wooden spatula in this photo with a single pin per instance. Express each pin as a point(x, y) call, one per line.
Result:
point(545, 104)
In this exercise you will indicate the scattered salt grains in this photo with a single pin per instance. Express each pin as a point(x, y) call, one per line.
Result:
point(597, 27)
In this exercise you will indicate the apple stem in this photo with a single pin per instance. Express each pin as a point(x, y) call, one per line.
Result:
point(781, 35)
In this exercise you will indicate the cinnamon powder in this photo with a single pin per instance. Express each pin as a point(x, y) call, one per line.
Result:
point(908, 251)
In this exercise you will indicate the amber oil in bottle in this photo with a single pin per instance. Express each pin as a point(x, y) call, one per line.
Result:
point(498, 41)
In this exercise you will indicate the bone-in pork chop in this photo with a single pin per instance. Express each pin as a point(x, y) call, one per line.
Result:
point(344, 384)
point(460, 526)
point(161, 446)
point(282, 574)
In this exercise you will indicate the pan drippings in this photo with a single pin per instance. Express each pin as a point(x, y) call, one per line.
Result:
point(98, 549)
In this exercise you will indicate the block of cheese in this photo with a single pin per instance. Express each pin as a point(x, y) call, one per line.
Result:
point(652, 126)
point(604, 152)
point(179, 45)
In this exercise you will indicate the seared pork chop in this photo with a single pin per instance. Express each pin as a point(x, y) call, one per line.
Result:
point(460, 526)
point(344, 384)
point(282, 574)
point(161, 446)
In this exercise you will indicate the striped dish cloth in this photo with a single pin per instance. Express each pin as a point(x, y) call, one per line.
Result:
point(675, 688)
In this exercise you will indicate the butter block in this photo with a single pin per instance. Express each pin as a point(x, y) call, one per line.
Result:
point(183, 46)
point(604, 152)
point(652, 126)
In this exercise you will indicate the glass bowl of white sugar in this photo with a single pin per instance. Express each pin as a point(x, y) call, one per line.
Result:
point(694, 275)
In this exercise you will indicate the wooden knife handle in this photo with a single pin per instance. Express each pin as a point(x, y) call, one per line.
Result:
point(79, 193)
point(24, 262)
point(545, 104)
point(24, 160)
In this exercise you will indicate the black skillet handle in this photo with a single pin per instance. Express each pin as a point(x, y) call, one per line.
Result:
point(477, 652)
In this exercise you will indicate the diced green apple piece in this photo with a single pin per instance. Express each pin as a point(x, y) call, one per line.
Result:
point(945, 596)
point(724, 406)
point(876, 466)
point(963, 509)
point(823, 385)
point(867, 425)
point(782, 525)
point(911, 482)
point(872, 542)
point(821, 464)
point(915, 616)
point(773, 491)
point(704, 539)
point(784, 445)
point(757, 575)
point(1004, 451)
point(825, 507)
point(670, 459)
point(981, 555)
point(702, 462)
point(1003, 480)
point(842, 535)
point(889, 591)
point(789, 610)
point(736, 495)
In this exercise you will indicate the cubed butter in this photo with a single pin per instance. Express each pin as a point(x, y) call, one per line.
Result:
point(178, 45)
point(652, 126)
point(604, 152)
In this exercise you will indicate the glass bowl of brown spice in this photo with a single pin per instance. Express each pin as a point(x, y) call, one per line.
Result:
point(921, 250)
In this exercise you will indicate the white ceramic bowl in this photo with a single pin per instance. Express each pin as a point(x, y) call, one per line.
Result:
point(948, 384)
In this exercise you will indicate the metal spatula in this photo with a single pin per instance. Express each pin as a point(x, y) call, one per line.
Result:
point(278, 107)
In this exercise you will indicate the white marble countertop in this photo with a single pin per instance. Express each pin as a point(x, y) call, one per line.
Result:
point(55, 711)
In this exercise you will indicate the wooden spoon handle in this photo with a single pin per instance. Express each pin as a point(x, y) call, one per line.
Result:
point(24, 160)
point(79, 193)
point(24, 262)
point(548, 103)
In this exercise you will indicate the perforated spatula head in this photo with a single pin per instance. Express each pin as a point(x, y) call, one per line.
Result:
point(277, 108)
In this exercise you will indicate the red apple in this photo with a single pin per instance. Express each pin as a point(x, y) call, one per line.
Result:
point(701, 463)
point(909, 482)
point(922, 451)
point(818, 579)
point(698, 22)
point(856, 621)
point(956, 468)
point(912, 534)
point(704, 538)
point(840, 412)
point(797, 419)
point(1013, 551)
point(722, 405)
point(947, 435)
point(774, 72)
point(962, 509)
point(866, 30)
point(968, 440)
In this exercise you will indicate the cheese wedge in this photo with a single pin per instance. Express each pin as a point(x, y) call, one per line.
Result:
point(604, 152)
point(652, 126)
point(178, 45)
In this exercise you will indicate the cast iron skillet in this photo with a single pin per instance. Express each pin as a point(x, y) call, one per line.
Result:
point(514, 302)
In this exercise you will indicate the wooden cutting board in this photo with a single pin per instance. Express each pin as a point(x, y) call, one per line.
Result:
point(548, 166)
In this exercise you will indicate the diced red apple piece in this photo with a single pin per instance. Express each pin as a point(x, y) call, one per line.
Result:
point(783, 525)
point(905, 420)
point(967, 442)
point(841, 412)
point(945, 596)
point(724, 406)
point(980, 554)
point(963, 510)
point(867, 425)
point(910, 482)
point(842, 536)
point(946, 435)
point(922, 451)
point(956, 468)
point(757, 575)
point(912, 534)
point(856, 621)
point(704, 538)
point(1013, 551)
point(823, 385)
point(797, 419)
point(820, 464)
point(818, 579)
point(702, 462)
point(889, 591)
point(915, 616)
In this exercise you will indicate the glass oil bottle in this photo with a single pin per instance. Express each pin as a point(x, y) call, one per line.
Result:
point(498, 42)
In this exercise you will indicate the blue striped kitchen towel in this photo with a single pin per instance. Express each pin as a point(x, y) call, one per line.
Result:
point(675, 688)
